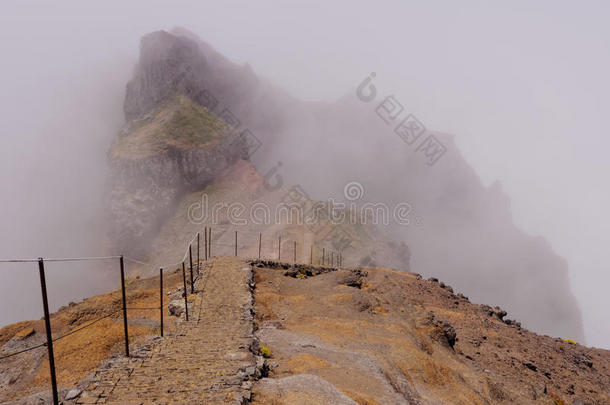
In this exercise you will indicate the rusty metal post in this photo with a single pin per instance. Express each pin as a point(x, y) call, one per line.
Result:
point(294, 259)
point(279, 248)
point(198, 262)
point(186, 304)
point(260, 241)
point(191, 268)
point(210, 242)
point(235, 243)
point(47, 325)
point(332, 259)
point(124, 306)
point(311, 255)
point(205, 243)
point(161, 298)
point(323, 254)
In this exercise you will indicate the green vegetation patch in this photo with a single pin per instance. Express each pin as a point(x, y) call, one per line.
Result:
point(180, 123)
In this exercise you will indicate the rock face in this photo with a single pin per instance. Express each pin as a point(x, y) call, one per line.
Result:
point(170, 145)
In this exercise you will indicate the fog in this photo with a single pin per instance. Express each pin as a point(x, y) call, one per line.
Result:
point(523, 87)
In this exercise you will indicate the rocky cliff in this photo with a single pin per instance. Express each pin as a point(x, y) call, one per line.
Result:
point(177, 148)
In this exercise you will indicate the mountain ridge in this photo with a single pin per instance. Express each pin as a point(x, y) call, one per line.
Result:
point(466, 233)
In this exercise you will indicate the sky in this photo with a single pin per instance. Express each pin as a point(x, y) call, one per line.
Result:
point(522, 85)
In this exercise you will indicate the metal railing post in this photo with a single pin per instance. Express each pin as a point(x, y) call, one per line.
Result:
point(294, 259)
point(198, 253)
point(323, 255)
point(260, 241)
point(124, 306)
point(279, 249)
point(210, 242)
point(161, 298)
point(235, 243)
point(191, 268)
point(186, 304)
point(47, 324)
point(205, 243)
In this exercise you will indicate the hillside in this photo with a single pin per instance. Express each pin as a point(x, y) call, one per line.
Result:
point(381, 336)
point(309, 335)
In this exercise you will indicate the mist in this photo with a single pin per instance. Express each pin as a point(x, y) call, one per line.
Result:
point(522, 87)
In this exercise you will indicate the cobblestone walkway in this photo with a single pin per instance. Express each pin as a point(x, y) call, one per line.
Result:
point(207, 362)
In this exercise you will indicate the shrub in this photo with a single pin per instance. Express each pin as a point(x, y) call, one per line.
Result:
point(265, 351)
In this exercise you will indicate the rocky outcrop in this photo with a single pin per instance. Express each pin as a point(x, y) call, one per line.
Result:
point(143, 192)
point(171, 144)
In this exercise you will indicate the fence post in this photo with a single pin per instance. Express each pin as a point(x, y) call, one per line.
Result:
point(198, 262)
point(47, 325)
point(210, 243)
point(186, 304)
point(161, 297)
point(205, 243)
point(260, 241)
point(311, 255)
point(294, 259)
point(191, 268)
point(235, 243)
point(332, 259)
point(323, 254)
point(124, 306)
point(279, 248)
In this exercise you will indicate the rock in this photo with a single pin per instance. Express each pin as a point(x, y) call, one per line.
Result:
point(445, 333)
point(495, 311)
point(273, 325)
point(25, 333)
point(354, 278)
point(176, 307)
point(433, 279)
point(462, 296)
point(73, 393)
point(446, 287)
point(531, 366)
point(499, 312)
point(316, 389)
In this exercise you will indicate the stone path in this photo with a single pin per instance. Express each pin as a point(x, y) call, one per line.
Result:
point(207, 362)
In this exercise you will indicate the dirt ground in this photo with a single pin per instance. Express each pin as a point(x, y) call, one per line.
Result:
point(381, 336)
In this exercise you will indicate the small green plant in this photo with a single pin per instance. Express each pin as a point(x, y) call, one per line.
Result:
point(300, 275)
point(265, 351)
point(570, 341)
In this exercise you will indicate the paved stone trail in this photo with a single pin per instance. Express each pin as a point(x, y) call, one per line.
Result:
point(206, 362)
